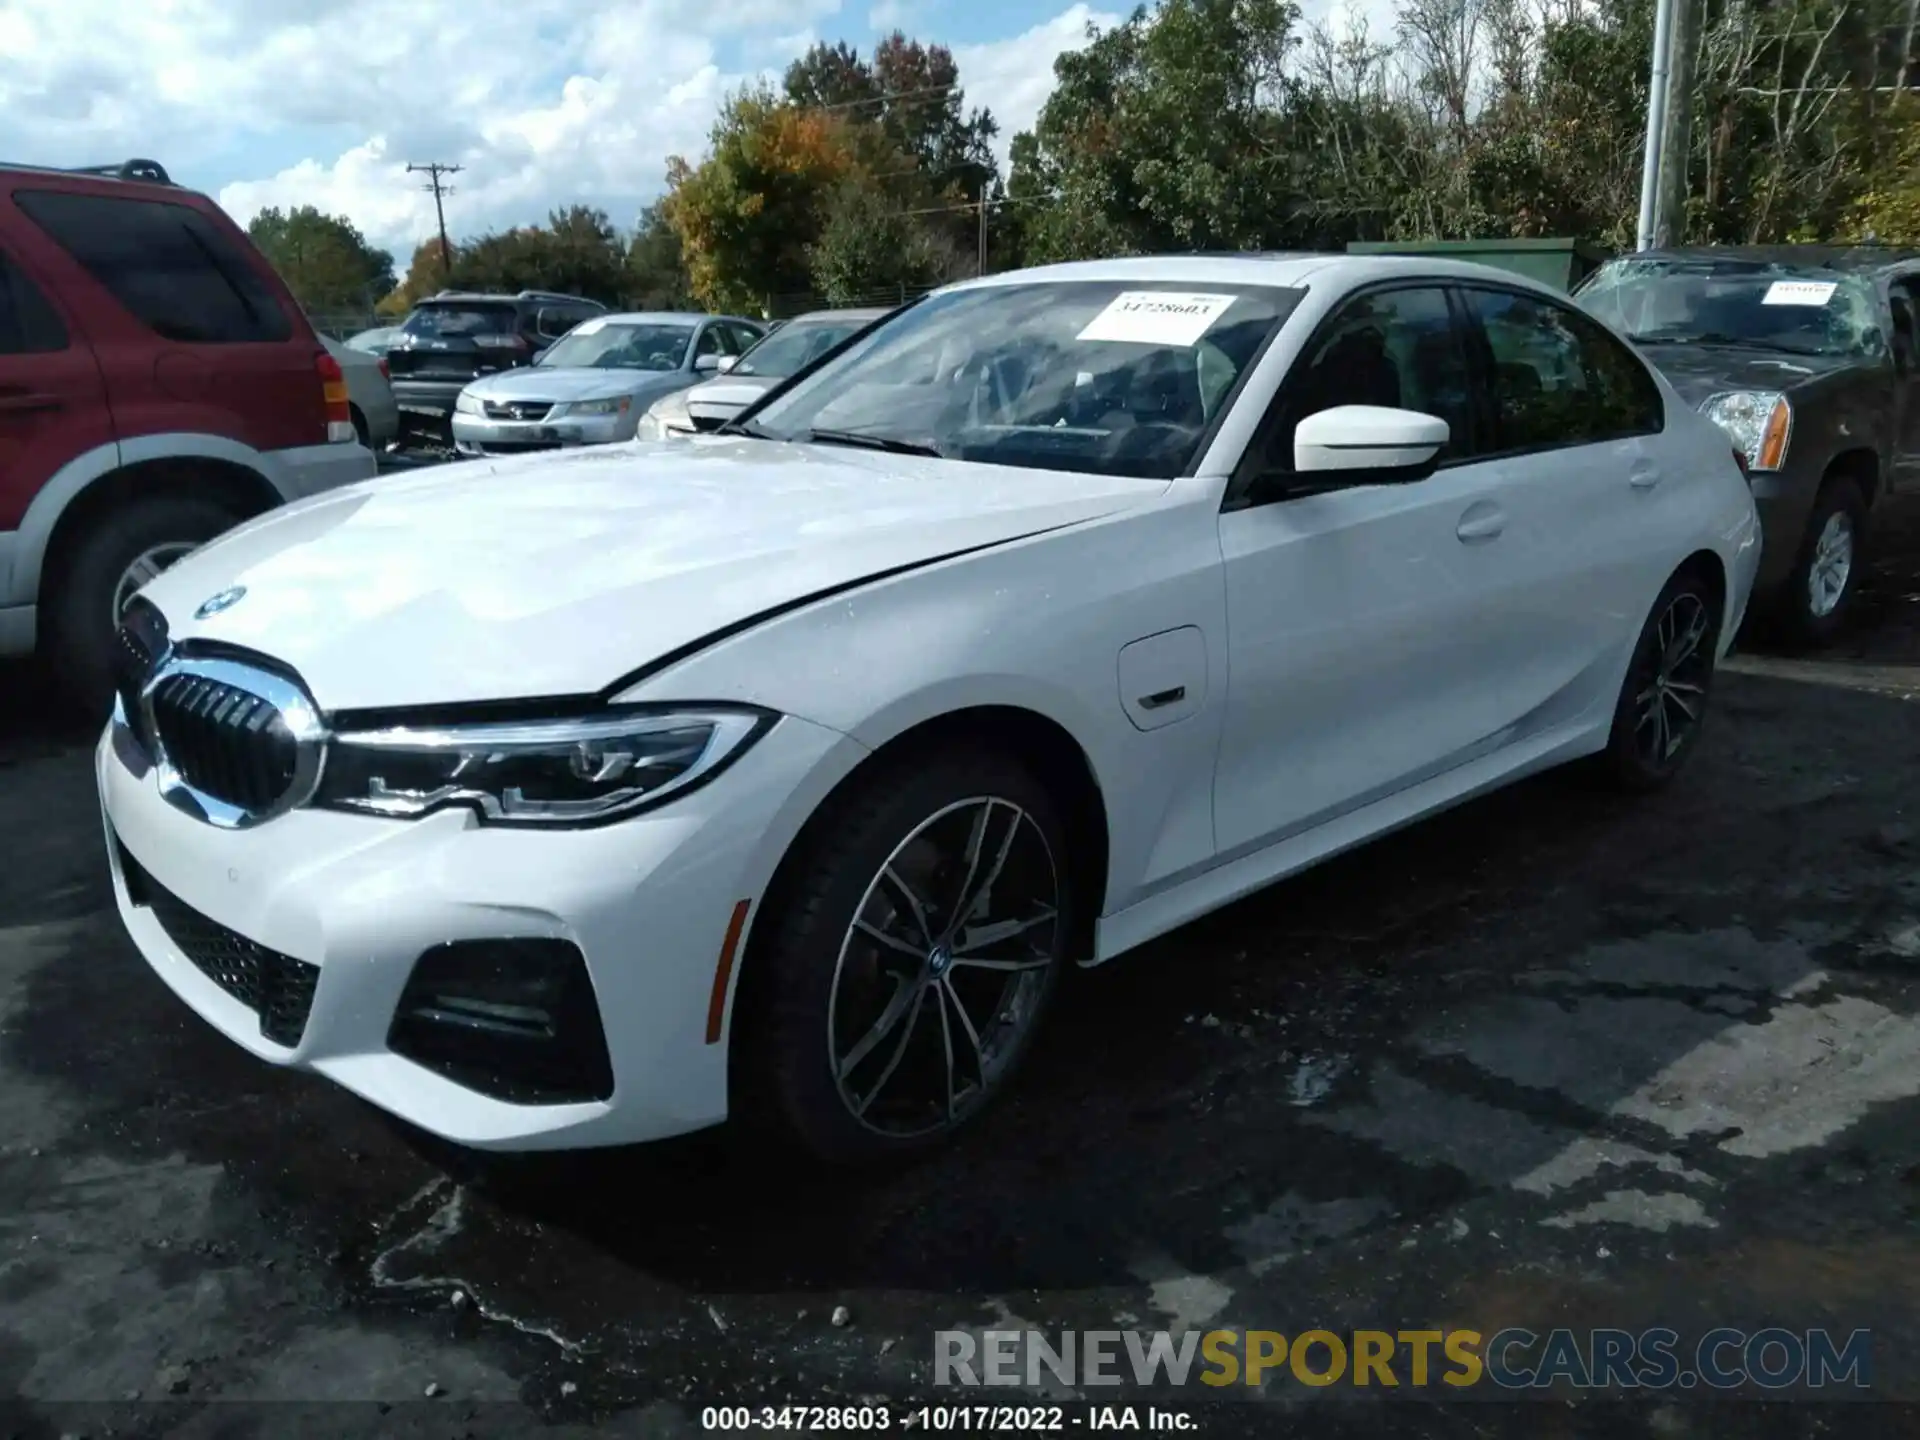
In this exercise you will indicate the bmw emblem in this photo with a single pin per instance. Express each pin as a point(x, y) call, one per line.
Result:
point(225, 600)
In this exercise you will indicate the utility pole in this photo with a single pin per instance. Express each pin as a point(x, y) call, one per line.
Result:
point(434, 171)
point(1656, 120)
point(1676, 126)
point(982, 267)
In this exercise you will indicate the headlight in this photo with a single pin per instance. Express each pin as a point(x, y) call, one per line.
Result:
point(1759, 422)
point(667, 416)
point(619, 405)
point(468, 403)
point(554, 772)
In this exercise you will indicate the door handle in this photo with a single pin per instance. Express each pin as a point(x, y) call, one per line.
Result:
point(1162, 697)
point(17, 401)
point(1644, 476)
point(1484, 525)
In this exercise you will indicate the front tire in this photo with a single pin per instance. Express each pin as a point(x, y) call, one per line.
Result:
point(909, 959)
point(1663, 701)
point(119, 551)
point(1819, 595)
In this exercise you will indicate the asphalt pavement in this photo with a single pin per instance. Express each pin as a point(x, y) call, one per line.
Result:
point(1553, 1059)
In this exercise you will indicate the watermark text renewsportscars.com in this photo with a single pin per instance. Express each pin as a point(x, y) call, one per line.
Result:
point(1507, 1359)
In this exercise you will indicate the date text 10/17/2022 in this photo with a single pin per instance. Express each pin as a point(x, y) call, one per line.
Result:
point(945, 1419)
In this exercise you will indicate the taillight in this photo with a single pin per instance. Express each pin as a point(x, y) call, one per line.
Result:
point(333, 396)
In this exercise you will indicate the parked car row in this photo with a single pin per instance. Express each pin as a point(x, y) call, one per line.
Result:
point(775, 767)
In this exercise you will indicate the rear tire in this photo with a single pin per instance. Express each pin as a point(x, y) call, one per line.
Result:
point(78, 639)
point(1663, 700)
point(844, 948)
point(1819, 595)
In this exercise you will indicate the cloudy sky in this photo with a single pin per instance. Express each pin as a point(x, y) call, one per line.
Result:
point(544, 102)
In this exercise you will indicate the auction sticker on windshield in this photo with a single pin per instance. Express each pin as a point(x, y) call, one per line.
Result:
point(1799, 292)
point(1157, 317)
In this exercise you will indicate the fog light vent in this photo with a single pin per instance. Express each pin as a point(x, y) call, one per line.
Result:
point(512, 1019)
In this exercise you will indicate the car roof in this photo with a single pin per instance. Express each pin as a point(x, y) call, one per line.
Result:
point(664, 317)
point(1276, 268)
point(1850, 258)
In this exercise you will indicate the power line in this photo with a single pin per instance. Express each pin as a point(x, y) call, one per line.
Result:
point(434, 170)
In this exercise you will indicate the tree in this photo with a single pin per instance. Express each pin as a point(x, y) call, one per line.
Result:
point(909, 94)
point(324, 259)
point(1171, 131)
point(422, 279)
point(870, 251)
point(747, 214)
point(656, 269)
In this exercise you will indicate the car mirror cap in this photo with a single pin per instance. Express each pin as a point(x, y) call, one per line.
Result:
point(1368, 438)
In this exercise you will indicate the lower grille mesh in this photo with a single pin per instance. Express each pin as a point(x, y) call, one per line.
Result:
point(277, 988)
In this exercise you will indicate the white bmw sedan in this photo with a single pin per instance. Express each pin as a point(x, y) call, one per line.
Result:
point(778, 774)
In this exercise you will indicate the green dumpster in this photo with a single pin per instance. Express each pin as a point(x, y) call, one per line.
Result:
point(1560, 263)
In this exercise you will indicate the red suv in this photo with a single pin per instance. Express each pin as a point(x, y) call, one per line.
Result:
point(158, 385)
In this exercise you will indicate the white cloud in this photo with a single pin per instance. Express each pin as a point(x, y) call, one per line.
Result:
point(1013, 77)
point(542, 102)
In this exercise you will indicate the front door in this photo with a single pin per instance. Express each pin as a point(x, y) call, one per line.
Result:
point(1904, 298)
point(1365, 646)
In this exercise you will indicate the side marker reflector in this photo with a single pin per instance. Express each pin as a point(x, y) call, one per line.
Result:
point(723, 972)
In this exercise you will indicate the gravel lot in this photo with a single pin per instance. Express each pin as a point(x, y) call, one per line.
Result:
point(1549, 1060)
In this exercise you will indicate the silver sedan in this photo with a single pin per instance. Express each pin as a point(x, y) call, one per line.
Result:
point(592, 386)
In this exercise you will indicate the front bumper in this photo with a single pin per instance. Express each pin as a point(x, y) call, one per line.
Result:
point(478, 435)
point(429, 397)
point(1784, 500)
point(647, 901)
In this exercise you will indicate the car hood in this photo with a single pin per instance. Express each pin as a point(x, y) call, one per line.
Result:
point(537, 382)
point(730, 392)
point(1699, 371)
point(556, 575)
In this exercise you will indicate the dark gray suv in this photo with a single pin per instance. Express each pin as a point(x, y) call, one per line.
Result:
point(456, 337)
point(1807, 356)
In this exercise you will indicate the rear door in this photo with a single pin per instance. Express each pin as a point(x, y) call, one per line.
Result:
point(1574, 469)
point(189, 333)
point(53, 403)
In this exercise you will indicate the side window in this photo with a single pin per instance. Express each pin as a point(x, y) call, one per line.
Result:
point(714, 341)
point(748, 338)
point(1558, 378)
point(1906, 343)
point(29, 325)
point(171, 267)
point(1397, 348)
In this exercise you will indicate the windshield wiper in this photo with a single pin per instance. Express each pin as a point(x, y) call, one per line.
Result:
point(1718, 338)
point(867, 442)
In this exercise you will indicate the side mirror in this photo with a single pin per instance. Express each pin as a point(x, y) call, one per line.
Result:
point(727, 362)
point(706, 364)
point(1368, 445)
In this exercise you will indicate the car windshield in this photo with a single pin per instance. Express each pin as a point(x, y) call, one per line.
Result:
point(1789, 308)
point(1104, 376)
point(620, 345)
point(794, 347)
point(460, 322)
